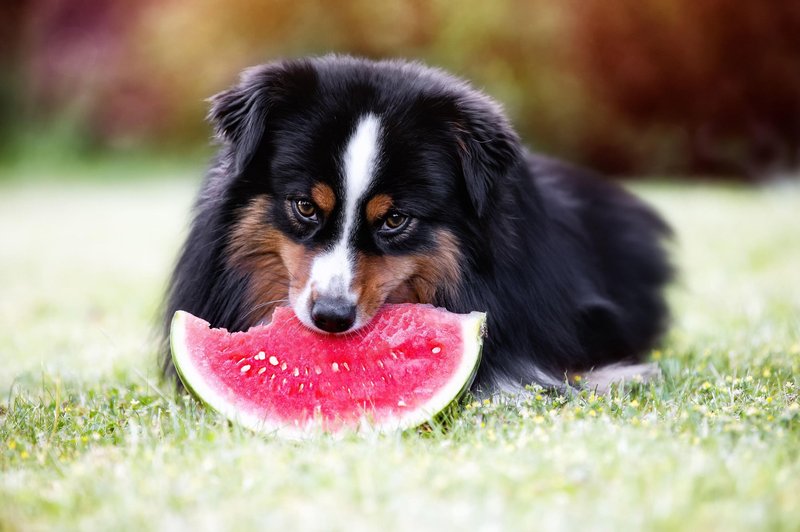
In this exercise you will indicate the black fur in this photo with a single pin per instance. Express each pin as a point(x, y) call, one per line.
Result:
point(569, 267)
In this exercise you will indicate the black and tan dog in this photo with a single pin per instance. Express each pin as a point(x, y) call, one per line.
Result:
point(342, 184)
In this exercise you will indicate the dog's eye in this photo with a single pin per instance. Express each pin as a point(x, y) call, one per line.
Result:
point(305, 209)
point(394, 222)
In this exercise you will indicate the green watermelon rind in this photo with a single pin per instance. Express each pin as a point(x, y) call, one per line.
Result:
point(473, 326)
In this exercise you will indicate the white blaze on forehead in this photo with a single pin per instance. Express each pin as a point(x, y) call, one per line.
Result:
point(359, 164)
point(332, 272)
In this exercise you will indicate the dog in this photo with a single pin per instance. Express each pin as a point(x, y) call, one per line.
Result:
point(343, 183)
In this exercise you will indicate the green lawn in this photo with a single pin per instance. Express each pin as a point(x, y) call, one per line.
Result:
point(88, 439)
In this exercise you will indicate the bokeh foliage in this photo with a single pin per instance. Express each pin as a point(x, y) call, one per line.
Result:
point(630, 86)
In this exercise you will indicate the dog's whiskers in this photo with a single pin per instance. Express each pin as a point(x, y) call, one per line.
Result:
point(262, 306)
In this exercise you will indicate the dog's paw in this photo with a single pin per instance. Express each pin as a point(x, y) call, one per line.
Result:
point(602, 379)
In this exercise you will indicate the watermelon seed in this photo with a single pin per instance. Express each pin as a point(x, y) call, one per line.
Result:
point(296, 372)
point(346, 366)
point(335, 366)
point(240, 361)
point(394, 356)
point(301, 387)
point(380, 364)
point(261, 355)
point(401, 403)
point(284, 382)
point(272, 378)
point(262, 370)
point(306, 372)
point(317, 370)
point(284, 366)
point(436, 350)
point(273, 360)
point(245, 368)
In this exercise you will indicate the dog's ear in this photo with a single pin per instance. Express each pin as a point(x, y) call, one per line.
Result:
point(488, 146)
point(240, 114)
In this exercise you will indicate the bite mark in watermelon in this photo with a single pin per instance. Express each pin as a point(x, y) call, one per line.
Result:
point(399, 371)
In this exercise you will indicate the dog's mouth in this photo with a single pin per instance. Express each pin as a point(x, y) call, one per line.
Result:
point(333, 317)
point(326, 329)
point(344, 301)
point(339, 315)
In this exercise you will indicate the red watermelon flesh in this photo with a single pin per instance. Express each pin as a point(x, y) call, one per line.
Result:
point(397, 372)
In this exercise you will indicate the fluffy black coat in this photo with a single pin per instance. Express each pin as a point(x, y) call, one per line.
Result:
point(570, 267)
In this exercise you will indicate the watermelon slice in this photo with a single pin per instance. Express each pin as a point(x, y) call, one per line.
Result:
point(397, 372)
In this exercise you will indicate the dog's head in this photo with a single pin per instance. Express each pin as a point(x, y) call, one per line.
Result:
point(355, 183)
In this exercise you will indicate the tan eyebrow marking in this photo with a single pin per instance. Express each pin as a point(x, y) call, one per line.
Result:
point(324, 197)
point(377, 207)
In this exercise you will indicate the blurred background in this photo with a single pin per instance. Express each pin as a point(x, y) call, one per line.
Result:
point(666, 88)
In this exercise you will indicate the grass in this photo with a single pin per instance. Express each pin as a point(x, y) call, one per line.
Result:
point(90, 441)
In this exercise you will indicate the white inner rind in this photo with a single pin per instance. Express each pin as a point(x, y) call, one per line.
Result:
point(472, 340)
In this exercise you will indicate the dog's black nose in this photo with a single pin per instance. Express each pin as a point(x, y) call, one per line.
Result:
point(333, 315)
